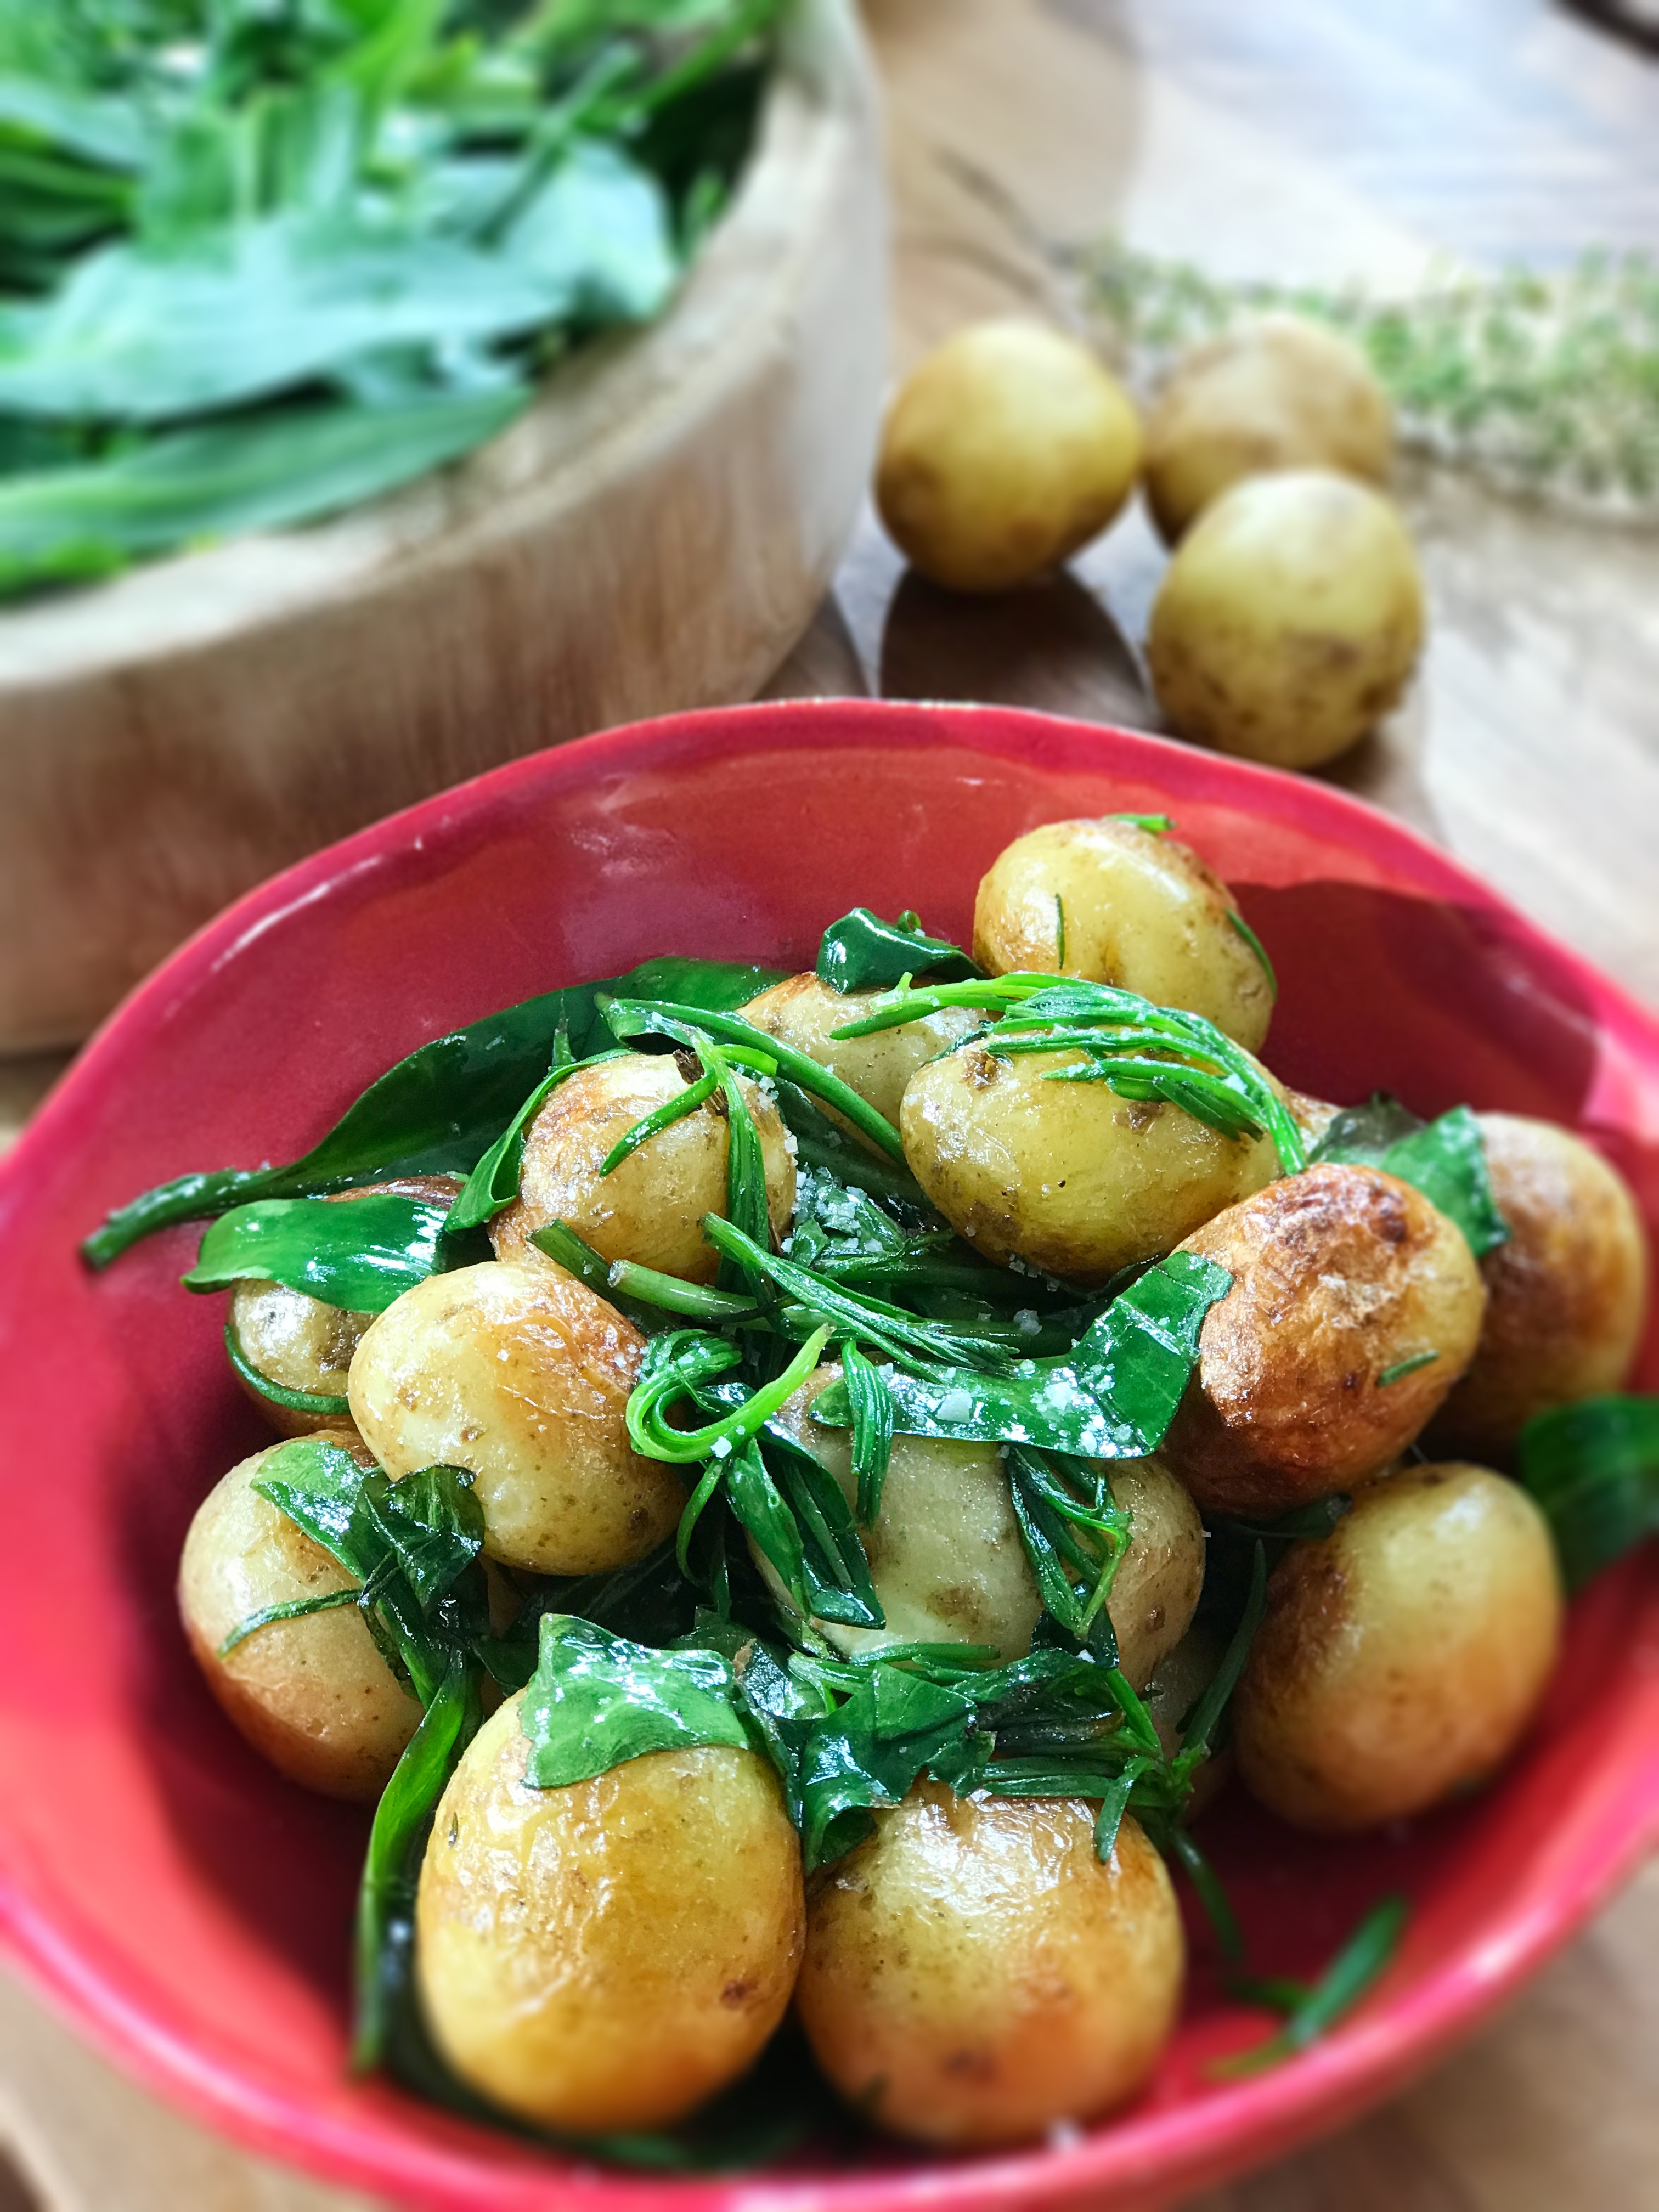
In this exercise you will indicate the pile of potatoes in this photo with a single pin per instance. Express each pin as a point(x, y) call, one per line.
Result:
point(1291, 615)
point(605, 1956)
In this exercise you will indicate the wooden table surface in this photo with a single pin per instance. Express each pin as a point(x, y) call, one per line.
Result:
point(1317, 140)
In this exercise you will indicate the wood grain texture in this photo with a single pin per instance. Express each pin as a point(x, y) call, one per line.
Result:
point(654, 533)
point(1299, 138)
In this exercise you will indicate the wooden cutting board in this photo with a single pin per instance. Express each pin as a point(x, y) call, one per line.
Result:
point(1290, 138)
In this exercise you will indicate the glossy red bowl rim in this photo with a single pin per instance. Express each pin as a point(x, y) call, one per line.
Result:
point(1146, 2157)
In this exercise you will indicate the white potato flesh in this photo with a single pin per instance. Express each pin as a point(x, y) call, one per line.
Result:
point(313, 1694)
point(522, 1374)
point(1066, 1177)
point(1135, 909)
point(975, 1976)
point(649, 1208)
point(606, 1956)
point(1403, 1656)
point(804, 1011)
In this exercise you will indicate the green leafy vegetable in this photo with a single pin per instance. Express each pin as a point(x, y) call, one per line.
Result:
point(259, 264)
point(1313, 2010)
point(861, 952)
point(1243, 929)
point(1594, 1468)
point(1141, 1050)
point(438, 1110)
point(1403, 1368)
point(596, 1700)
point(358, 1255)
point(1446, 1160)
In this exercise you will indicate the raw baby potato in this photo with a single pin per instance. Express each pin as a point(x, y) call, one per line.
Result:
point(1007, 449)
point(1290, 619)
point(804, 1011)
point(1403, 1656)
point(1567, 1297)
point(1341, 1277)
point(522, 1374)
point(313, 1694)
point(1136, 909)
point(650, 1207)
point(605, 1956)
point(1277, 392)
point(299, 1343)
point(974, 1974)
point(1066, 1177)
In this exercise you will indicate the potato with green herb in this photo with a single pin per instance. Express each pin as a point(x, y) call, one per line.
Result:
point(522, 1374)
point(1006, 450)
point(1566, 1295)
point(804, 1012)
point(1401, 1657)
point(1112, 901)
point(974, 1975)
point(313, 1694)
point(1066, 1177)
point(650, 1207)
point(1290, 620)
point(1275, 392)
point(604, 1957)
point(1179, 1680)
point(948, 1563)
point(300, 1344)
point(1355, 1306)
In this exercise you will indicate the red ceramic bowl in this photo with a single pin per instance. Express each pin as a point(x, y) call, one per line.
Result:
point(189, 1911)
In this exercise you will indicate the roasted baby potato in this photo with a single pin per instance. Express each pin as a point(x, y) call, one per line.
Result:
point(974, 1975)
point(1066, 1177)
point(1005, 450)
point(1289, 621)
point(1402, 1656)
point(1342, 1277)
point(650, 1207)
point(1277, 392)
point(804, 1011)
point(522, 1374)
point(1135, 909)
point(607, 1955)
point(1567, 1297)
point(299, 1343)
point(313, 1694)
point(948, 1563)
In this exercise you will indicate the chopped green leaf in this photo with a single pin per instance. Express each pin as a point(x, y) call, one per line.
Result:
point(358, 1255)
point(1316, 2010)
point(1256, 947)
point(596, 1700)
point(1594, 1469)
point(861, 952)
point(1403, 1368)
point(326, 1405)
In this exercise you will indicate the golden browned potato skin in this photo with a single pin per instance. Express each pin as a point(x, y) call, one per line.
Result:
point(804, 1011)
point(299, 1342)
point(1005, 449)
point(1277, 392)
point(1068, 1177)
point(1140, 911)
point(1401, 1657)
point(1289, 621)
point(607, 1956)
point(313, 1695)
point(1339, 1274)
point(948, 1563)
point(974, 1974)
point(1566, 1297)
point(522, 1374)
point(650, 1208)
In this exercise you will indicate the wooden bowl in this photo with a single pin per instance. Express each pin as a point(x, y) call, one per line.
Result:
point(191, 1910)
point(654, 534)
